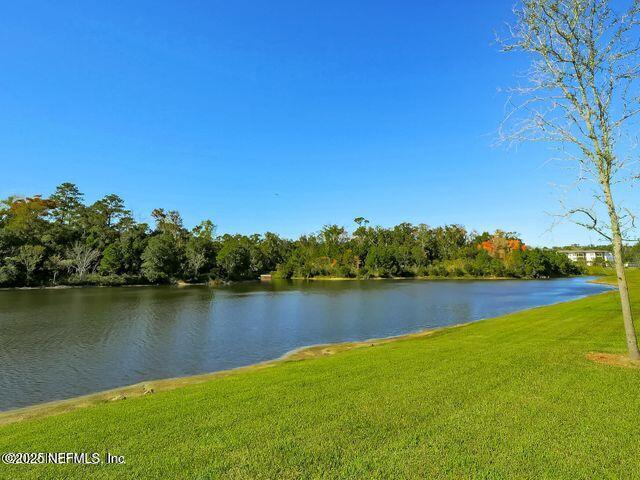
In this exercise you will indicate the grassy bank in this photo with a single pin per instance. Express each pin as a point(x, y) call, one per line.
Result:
point(510, 397)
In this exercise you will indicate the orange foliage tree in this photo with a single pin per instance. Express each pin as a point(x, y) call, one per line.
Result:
point(501, 245)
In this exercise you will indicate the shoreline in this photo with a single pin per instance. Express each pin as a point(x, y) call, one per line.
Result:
point(428, 278)
point(183, 284)
point(150, 387)
point(67, 287)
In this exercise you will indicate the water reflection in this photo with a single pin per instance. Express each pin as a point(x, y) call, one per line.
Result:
point(62, 343)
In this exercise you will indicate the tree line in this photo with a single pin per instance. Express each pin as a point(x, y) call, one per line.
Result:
point(61, 240)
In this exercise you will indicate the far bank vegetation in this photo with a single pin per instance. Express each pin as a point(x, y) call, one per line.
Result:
point(61, 240)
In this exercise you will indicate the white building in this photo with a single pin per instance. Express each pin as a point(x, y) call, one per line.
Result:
point(588, 256)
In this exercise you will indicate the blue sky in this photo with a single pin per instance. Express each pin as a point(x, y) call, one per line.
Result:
point(272, 115)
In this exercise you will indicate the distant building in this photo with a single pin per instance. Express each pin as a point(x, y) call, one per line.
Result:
point(589, 256)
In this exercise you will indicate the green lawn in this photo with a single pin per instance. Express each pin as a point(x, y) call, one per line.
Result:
point(511, 397)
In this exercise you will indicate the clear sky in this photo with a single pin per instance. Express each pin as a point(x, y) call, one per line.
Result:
point(272, 115)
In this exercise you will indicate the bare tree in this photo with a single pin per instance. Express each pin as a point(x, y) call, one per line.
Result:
point(196, 260)
point(580, 93)
point(82, 258)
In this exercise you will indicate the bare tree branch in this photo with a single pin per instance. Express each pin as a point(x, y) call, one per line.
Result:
point(581, 94)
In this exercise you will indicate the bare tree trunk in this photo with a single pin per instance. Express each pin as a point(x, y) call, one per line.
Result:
point(627, 314)
point(582, 95)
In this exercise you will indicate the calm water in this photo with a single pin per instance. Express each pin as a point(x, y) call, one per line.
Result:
point(62, 343)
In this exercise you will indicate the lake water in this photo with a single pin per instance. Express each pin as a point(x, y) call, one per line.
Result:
point(57, 344)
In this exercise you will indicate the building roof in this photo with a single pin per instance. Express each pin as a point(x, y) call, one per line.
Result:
point(584, 250)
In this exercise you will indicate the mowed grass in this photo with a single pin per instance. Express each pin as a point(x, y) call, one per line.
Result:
point(510, 397)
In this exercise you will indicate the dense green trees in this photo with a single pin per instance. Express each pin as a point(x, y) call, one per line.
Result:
point(409, 250)
point(49, 241)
